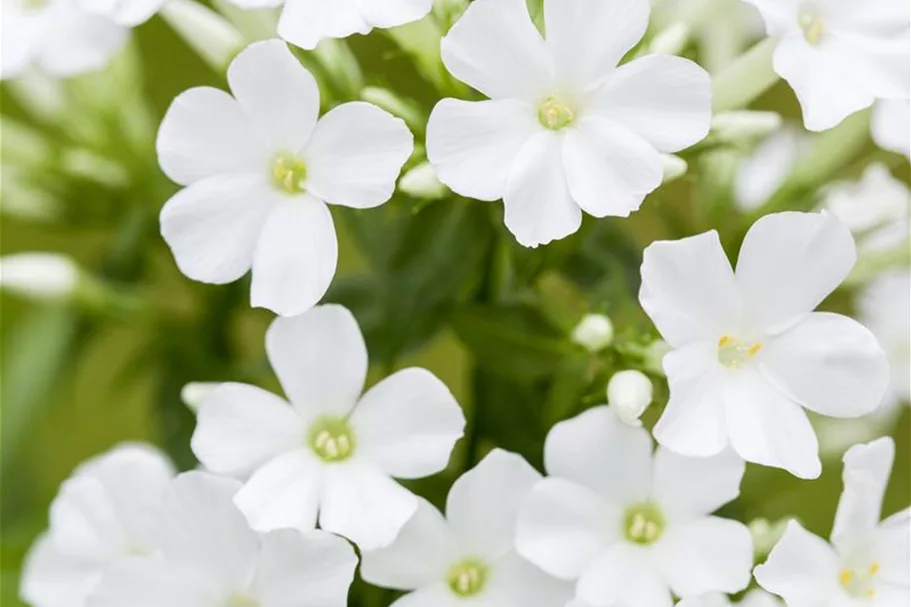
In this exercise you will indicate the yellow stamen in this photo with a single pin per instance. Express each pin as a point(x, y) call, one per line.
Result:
point(874, 568)
point(845, 577)
point(754, 349)
point(725, 339)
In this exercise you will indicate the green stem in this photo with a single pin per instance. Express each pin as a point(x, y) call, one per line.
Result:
point(745, 79)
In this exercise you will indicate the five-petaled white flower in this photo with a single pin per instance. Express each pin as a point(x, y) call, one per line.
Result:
point(891, 125)
point(839, 57)
point(866, 563)
point(259, 169)
point(632, 526)
point(331, 453)
point(305, 23)
point(55, 36)
point(102, 515)
point(565, 129)
point(468, 557)
point(209, 557)
point(750, 352)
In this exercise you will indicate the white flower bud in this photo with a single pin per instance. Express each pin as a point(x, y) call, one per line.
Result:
point(744, 125)
point(765, 534)
point(422, 182)
point(674, 167)
point(41, 276)
point(594, 332)
point(629, 393)
point(194, 393)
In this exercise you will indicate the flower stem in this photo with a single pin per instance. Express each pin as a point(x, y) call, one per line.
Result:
point(745, 79)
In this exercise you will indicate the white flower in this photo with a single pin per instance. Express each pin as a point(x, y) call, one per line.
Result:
point(756, 597)
point(765, 170)
point(259, 169)
point(629, 393)
point(566, 129)
point(866, 563)
point(102, 515)
point(750, 353)
point(839, 56)
point(885, 309)
point(210, 557)
point(891, 125)
point(42, 276)
point(468, 557)
point(632, 526)
point(128, 13)
point(305, 23)
point(594, 332)
point(331, 453)
point(55, 36)
point(195, 393)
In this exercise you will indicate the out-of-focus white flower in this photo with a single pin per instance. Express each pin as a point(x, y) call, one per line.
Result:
point(629, 525)
point(422, 182)
point(330, 451)
point(750, 352)
point(757, 597)
point(885, 309)
point(672, 167)
point(594, 332)
point(55, 36)
point(195, 393)
point(891, 125)
point(764, 171)
point(468, 556)
point(839, 56)
point(565, 129)
point(629, 393)
point(259, 169)
point(305, 22)
point(866, 563)
point(41, 276)
point(101, 516)
point(744, 125)
point(128, 13)
point(209, 557)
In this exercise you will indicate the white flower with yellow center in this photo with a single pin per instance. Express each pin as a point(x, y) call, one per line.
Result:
point(101, 516)
point(866, 563)
point(259, 169)
point(210, 557)
point(749, 351)
point(468, 557)
point(632, 526)
point(331, 453)
point(891, 125)
point(839, 57)
point(565, 130)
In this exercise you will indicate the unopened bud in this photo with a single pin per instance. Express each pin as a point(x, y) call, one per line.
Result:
point(194, 393)
point(405, 109)
point(422, 182)
point(629, 393)
point(733, 127)
point(653, 356)
point(594, 332)
point(674, 167)
point(40, 276)
point(766, 534)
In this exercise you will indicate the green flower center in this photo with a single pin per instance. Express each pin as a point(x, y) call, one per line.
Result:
point(732, 353)
point(643, 524)
point(241, 600)
point(289, 173)
point(813, 27)
point(467, 578)
point(331, 439)
point(555, 114)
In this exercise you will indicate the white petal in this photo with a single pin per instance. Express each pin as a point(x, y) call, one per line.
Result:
point(689, 487)
point(495, 48)
point(213, 225)
point(312, 569)
point(563, 526)
point(601, 452)
point(665, 100)
point(205, 133)
point(766, 427)
point(320, 359)
point(421, 555)
point(277, 94)
point(483, 503)
point(21, 35)
point(85, 521)
point(53, 578)
point(865, 476)
point(709, 554)
point(128, 13)
point(391, 13)
point(240, 427)
point(891, 548)
point(295, 257)
point(830, 364)
point(438, 595)
point(761, 174)
point(355, 155)
point(283, 493)
point(891, 125)
point(408, 424)
point(152, 582)
point(362, 503)
point(305, 23)
point(780, 16)
point(539, 207)
point(609, 169)
point(75, 42)
point(788, 263)
point(514, 582)
point(688, 289)
point(472, 145)
point(802, 568)
point(589, 37)
point(624, 574)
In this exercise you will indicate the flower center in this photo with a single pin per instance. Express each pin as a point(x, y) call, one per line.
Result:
point(555, 114)
point(643, 524)
point(289, 172)
point(732, 352)
point(859, 582)
point(331, 439)
point(241, 600)
point(812, 25)
point(467, 578)
point(33, 5)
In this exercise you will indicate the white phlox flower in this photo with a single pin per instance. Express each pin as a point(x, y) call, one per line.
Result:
point(890, 126)
point(629, 525)
point(331, 453)
point(757, 597)
point(565, 130)
point(259, 168)
point(55, 36)
point(102, 515)
point(885, 309)
point(867, 561)
point(749, 351)
point(468, 557)
point(305, 23)
point(210, 557)
point(128, 13)
point(839, 57)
